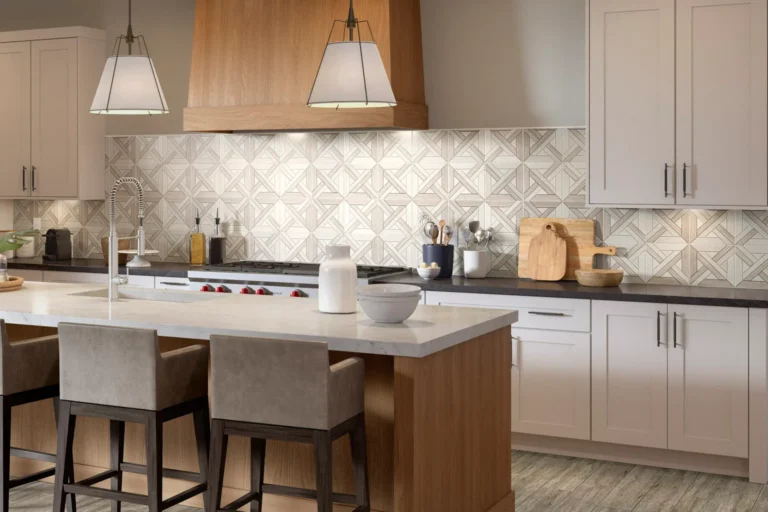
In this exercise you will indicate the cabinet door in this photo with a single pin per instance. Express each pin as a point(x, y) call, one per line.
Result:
point(54, 117)
point(629, 373)
point(632, 102)
point(722, 102)
point(708, 380)
point(14, 119)
point(550, 383)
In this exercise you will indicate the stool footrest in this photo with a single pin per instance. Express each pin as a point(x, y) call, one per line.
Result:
point(298, 492)
point(34, 455)
point(176, 474)
point(243, 500)
point(106, 494)
point(185, 495)
point(99, 477)
point(45, 473)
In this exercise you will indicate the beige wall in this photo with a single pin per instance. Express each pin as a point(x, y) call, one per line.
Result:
point(488, 63)
point(502, 63)
point(166, 24)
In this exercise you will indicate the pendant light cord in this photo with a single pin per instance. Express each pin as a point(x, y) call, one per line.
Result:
point(351, 21)
point(129, 38)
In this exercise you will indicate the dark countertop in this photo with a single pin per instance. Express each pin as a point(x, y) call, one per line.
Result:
point(693, 295)
point(94, 266)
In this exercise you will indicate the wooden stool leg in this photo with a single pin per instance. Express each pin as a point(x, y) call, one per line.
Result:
point(323, 470)
point(116, 451)
point(70, 479)
point(360, 462)
point(258, 455)
point(64, 465)
point(5, 452)
point(203, 439)
point(217, 461)
point(154, 426)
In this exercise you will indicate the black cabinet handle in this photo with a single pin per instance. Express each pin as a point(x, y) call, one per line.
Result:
point(33, 178)
point(174, 284)
point(685, 180)
point(658, 328)
point(545, 313)
point(24, 178)
point(674, 330)
point(666, 180)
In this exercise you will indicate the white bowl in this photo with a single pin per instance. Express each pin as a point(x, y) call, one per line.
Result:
point(388, 290)
point(389, 310)
point(428, 273)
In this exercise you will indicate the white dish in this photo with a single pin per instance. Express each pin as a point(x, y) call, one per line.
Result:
point(389, 311)
point(388, 290)
point(428, 273)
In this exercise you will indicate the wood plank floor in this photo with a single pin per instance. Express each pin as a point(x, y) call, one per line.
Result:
point(550, 483)
point(545, 483)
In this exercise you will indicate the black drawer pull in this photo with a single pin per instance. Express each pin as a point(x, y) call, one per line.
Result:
point(545, 313)
point(174, 284)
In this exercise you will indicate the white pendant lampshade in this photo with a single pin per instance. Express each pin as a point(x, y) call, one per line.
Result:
point(352, 75)
point(129, 86)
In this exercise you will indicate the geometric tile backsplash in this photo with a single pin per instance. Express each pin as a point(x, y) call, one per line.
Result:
point(287, 196)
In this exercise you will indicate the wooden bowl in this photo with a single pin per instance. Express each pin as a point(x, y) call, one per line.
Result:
point(13, 284)
point(122, 259)
point(599, 278)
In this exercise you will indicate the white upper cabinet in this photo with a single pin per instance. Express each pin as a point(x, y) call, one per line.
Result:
point(632, 102)
point(14, 119)
point(50, 144)
point(678, 103)
point(722, 102)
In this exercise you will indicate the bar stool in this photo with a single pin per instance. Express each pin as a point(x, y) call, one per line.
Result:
point(29, 372)
point(120, 374)
point(285, 390)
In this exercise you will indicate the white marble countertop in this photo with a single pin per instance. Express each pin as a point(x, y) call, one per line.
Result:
point(429, 330)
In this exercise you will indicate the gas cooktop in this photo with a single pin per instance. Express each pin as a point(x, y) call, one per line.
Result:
point(297, 269)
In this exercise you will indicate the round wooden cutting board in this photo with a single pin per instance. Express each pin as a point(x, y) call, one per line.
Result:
point(13, 284)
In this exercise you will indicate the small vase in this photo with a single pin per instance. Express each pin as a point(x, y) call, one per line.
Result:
point(337, 287)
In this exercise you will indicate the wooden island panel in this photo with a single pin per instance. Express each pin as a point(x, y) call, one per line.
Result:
point(438, 429)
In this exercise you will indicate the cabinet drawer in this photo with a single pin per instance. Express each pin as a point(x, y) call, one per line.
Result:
point(28, 275)
point(534, 312)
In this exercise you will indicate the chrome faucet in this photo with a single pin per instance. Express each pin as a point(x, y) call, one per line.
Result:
point(115, 279)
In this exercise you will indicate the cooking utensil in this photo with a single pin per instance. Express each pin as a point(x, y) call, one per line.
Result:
point(448, 235)
point(442, 227)
point(547, 255)
point(428, 228)
point(435, 233)
point(466, 234)
point(481, 235)
point(579, 236)
point(488, 238)
point(474, 226)
point(599, 278)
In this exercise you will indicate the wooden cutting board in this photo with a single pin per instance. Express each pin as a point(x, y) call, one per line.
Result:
point(579, 236)
point(547, 255)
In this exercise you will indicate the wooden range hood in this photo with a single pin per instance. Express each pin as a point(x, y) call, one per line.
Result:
point(254, 62)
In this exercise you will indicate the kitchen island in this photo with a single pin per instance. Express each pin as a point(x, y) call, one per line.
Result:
point(437, 399)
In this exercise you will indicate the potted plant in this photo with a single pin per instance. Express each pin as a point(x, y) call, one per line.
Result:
point(15, 240)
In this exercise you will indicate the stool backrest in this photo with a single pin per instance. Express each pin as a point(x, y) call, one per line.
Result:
point(270, 381)
point(108, 365)
point(27, 364)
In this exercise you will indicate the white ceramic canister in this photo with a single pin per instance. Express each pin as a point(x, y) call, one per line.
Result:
point(477, 264)
point(337, 286)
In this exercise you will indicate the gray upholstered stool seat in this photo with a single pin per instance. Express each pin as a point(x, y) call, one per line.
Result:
point(272, 389)
point(120, 374)
point(29, 372)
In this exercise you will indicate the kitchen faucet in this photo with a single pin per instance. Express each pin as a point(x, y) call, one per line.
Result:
point(115, 280)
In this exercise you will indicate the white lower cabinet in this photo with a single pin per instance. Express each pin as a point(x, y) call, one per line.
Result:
point(709, 380)
point(550, 383)
point(671, 377)
point(629, 373)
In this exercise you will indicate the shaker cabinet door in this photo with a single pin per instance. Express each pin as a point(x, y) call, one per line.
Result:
point(722, 102)
point(709, 380)
point(629, 373)
point(14, 119)
point(632, 102)
point(54, 118)
point(550, 383)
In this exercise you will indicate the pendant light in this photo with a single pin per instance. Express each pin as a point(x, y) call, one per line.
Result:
point(351, 73)
point(129, 83)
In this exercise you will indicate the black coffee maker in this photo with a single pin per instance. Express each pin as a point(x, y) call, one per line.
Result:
point(58, 245)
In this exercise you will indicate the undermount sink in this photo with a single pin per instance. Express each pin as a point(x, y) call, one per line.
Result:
point(150, 294)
